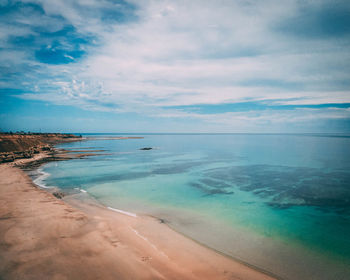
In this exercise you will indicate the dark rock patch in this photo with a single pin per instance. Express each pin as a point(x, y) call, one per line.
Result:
point(59, 195)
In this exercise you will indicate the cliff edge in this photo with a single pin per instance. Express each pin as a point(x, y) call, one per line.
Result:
point(20, 145)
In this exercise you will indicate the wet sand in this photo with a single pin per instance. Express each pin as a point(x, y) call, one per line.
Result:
point(43, 237)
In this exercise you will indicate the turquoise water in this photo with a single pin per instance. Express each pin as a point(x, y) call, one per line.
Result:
point(247, 195)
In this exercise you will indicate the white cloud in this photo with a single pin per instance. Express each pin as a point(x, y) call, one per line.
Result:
point(169, 55)
point(196, 52)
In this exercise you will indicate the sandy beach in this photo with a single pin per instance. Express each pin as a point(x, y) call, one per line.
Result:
point(43, 237)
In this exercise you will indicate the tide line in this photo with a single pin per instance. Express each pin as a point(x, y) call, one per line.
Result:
point(150, 243)
point(122, 212)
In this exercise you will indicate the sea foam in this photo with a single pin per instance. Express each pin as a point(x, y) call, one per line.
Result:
point(40, 180)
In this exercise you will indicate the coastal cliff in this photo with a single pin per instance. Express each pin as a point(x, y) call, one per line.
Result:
point(20, 145)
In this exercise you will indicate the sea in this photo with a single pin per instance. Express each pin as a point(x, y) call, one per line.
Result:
point(277, 202)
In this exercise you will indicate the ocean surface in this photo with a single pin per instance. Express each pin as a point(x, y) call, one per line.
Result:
point(278, 202)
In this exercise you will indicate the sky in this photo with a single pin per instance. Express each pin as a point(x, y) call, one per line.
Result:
point(238, 66)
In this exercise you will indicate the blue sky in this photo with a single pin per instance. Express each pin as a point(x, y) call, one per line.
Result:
point(175, 66)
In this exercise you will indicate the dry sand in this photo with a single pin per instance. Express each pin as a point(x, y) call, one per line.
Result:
point(42, 237)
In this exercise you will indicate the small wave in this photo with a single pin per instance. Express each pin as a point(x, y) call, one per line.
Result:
point(81, 190)
point(123, 212)
point(40, 180)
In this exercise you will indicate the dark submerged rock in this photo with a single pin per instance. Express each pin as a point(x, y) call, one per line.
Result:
point(59, 195)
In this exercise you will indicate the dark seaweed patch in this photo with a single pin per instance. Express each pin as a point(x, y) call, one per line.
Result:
point(210, 191)
point(214, 183)
point(284, 187)
point(175, 168)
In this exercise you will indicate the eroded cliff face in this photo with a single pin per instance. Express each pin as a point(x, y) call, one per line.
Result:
point(14, 146)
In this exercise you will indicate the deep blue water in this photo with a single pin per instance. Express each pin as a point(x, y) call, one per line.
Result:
point(290, 192)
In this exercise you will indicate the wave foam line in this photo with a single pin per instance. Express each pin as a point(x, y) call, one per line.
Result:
point(40, 180)
point(81, 190)
point(123, 212)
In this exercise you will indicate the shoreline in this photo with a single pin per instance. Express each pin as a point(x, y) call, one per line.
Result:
point(137, 244)
point(71, 200)
point(272, 257)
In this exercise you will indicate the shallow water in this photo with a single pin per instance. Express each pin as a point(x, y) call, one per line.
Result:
point(247, 195)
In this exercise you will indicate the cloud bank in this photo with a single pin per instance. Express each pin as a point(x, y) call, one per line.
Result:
point(227, 66)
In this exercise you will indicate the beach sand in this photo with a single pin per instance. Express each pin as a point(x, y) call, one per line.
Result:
point(42, 237)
